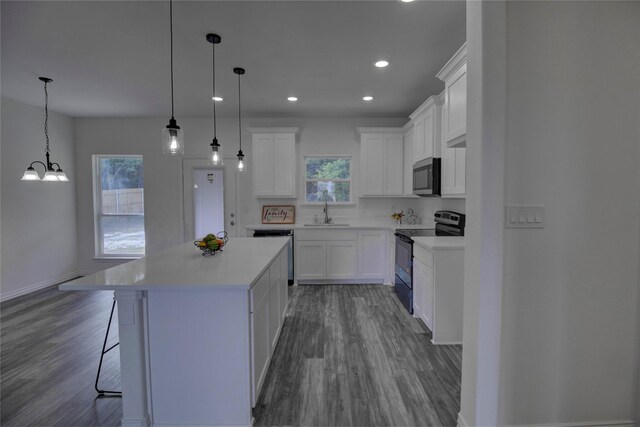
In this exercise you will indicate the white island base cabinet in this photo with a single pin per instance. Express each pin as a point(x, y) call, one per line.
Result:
point(196, 333)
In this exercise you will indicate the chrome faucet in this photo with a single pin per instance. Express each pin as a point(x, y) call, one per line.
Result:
point(327, 220)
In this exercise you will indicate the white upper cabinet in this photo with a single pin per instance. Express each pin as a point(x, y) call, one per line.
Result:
point(381, 161)
point(454, 76)
point(274, 162)
point(408, 160)
point(426, 129)
point(453, 171)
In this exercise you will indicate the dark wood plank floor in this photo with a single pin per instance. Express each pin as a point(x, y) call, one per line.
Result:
point(50, 347)
point(350, 355)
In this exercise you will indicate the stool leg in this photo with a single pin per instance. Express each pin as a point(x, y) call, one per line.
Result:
point(104, 345)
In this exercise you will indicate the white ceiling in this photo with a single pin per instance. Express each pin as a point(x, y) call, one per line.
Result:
point(111, 58)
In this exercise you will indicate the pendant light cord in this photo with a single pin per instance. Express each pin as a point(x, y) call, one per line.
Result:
point(46, 117)
point(171, 35)
point(239, 115)
point(213, 45)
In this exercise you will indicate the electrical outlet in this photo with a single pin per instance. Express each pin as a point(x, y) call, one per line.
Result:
point(525, 216)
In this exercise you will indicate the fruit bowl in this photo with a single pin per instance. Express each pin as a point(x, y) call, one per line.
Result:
point(210, 244)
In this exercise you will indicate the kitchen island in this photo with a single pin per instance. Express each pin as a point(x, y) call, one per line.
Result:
point(196, 333)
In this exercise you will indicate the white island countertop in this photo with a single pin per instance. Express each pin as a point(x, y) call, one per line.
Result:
point(439, 242)
point(182, 267)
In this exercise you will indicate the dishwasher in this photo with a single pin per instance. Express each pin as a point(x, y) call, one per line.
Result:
point(280, 233)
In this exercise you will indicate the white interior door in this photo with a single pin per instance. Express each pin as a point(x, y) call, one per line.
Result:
point(200, 209)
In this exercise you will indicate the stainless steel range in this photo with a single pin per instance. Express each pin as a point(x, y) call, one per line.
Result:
point(448, 224)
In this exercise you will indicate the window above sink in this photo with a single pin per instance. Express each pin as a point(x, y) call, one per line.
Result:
point(327, 179)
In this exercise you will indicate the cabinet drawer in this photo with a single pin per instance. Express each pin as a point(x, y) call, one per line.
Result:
point(325, 234)
point(423, 255)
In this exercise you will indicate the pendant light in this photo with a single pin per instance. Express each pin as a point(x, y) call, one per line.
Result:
point(50, 174)
point(216, 149)
point(241, 164)
point(172, 137)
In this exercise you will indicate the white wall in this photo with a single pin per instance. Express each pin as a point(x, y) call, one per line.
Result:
point(38, 245)
point(163, 204)
point(570, 290)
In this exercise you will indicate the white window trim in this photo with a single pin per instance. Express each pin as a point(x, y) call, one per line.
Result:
point(349, 180)
point(97, 208)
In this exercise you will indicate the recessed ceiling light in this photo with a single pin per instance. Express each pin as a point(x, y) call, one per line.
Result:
point(217, 98)
point(382, 63)
point(292, 99)
point(367, 98)
point(406, 1)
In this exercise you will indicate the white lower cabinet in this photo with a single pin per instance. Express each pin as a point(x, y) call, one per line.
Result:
point(371, 254)
point(284, 284)
point(261, 343)
point(341, 259)
point(438, 285)
point(269, 301)
point(340, 255)
point(310, 259)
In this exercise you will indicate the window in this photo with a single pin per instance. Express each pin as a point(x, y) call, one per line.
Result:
point(119, 206)
point(327, 179)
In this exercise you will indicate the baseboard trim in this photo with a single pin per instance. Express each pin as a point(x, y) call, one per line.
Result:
point(625, 423)
point(6, 296)
point(446, 342)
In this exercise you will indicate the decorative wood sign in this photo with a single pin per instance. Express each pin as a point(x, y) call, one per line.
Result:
point(278, 214)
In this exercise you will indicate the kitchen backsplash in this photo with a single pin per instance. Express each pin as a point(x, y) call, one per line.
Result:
point(372, 209)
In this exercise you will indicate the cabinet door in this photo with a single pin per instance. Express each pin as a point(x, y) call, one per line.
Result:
point(373, 151)
point(284, 284)
point(418, 287)
point(427, 296)
point(261, 344)
point(408, 162)
point(284, 165)
point(455, 124)
point(394, 166)
point(429, 133)
point(274, 303)
point(371, 254)
point(311, 260)
point(263, 171)
point(418, 140)
point(453, 173)
point(459, 176)
point(341, 259)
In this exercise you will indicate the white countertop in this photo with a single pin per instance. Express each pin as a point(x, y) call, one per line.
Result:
point(439, 242)
point(352, 224)
point(237, 266)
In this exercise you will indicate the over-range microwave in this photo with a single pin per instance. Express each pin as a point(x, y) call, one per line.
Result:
point(426, 177)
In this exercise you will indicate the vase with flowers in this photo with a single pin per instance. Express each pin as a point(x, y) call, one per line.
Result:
point(397, 215)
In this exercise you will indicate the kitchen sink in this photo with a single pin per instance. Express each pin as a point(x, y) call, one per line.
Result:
point(326, 225)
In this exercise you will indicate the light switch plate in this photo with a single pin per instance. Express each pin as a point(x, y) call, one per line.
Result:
point(525, 216)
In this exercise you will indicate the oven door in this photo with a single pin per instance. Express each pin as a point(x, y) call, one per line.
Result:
point(404, 271)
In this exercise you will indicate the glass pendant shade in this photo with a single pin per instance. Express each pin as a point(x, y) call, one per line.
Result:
point(216, 155)
point(51, 176)
point(31, 175)
point(172, 141)
point(242, 165)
